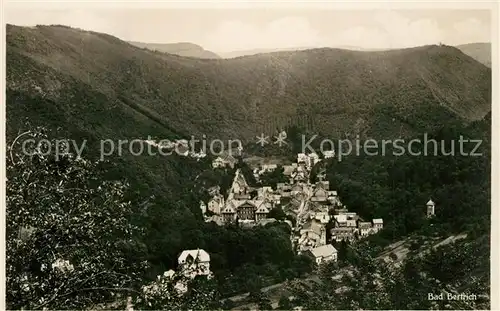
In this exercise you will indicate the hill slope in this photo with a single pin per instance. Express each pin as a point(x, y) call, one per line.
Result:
point(182, 49)
point(94, 86)
point(479, 51)
point(240, 53)
point(375, 94)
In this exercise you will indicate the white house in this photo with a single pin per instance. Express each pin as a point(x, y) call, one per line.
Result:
point(340, 220)
point(269, 167)
point(351, 223)
point(224, 161)
point(276, 198)
point(323, 253)
point(365, 228)
point(215, 204)
point(218, 162)
point(378, 224)
point(194, 262)
point(302, 158)
point(323, 217)
point(264, 192)
point(333, 197)
point(165, 143)
point(328, 154)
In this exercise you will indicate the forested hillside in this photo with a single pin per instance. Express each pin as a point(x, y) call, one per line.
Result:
point(375, 94)
point(87, 86)
point(181, 48)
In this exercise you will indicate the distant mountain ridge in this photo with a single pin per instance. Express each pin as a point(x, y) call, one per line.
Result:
point(480, 51)
point(97, 86)
point(240, 53)
point(181, 48)
point(374, 93)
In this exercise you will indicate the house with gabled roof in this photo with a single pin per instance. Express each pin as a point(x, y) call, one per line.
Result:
point(251, 210)
point(288, 170)
point(261, 212)
point(302, 158)
point(216, 204)
point(320, 195)
point(343, 233)
point(323, 217)
point(365, 228)
point(324, 184)
point(224, 160)
point(314, 230)
point(340, 220)
point(324, 253)
point(378, 224)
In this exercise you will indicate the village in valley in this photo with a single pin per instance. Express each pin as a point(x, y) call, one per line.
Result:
point(311, 208)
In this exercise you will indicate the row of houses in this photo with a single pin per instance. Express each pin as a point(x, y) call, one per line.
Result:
point(295, 172)
point(313, 217)
point(349, 226)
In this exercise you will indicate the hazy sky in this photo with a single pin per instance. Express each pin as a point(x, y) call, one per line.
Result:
point(225, 30)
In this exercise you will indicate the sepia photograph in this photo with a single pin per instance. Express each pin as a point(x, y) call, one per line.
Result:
point(249, 156)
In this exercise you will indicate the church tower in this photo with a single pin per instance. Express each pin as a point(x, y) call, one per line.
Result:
point(430, 209)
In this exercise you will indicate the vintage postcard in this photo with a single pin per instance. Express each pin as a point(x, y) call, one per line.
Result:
point(249, 155)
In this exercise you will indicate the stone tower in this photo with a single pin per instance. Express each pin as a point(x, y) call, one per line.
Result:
point(430, 209)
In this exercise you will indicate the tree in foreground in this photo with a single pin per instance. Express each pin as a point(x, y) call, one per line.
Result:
point(69, 234)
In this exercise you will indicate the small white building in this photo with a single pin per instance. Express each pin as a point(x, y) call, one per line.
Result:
point(327, 154)
point(323, 217)
point(218, 162)
point(269, 167)
point(351, 223)
point(215, 204)
point(323, 253)
point(430, 208)
point(224, 161)
point(378, 224)
point(340, 220)
point(365, 228)
point(302, 158)
point(264, 192)
point(276, 198)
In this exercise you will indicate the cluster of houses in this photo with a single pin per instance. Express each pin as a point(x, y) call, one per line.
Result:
point(244, 204)
point(348, 226)
point(224, 160)
point(314, 206)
